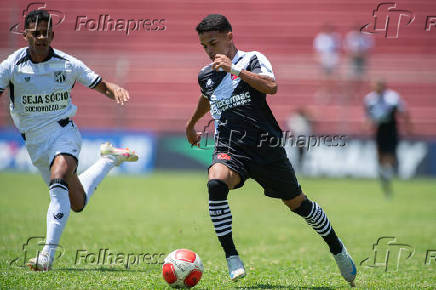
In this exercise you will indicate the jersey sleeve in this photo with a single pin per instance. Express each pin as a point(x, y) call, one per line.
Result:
point(401, 106)
point(85, 75)
point(202, 82)
point(5, 73)
point(259, 64)
point(201, 85)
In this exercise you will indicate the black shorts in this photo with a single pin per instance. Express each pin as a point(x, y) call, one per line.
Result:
point(270, 168)
point(386, 143)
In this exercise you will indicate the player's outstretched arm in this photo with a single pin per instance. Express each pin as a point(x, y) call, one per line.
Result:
point(203, 107)
point(113, 91)
point(263, 84)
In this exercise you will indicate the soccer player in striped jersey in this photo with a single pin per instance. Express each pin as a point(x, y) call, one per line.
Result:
point(40, 80)
point(234, 88)
point(383, 107)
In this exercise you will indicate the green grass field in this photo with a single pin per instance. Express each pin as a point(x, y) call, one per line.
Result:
point(165, 211)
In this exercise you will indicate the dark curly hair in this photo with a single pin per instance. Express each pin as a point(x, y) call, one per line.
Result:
point(214, 22)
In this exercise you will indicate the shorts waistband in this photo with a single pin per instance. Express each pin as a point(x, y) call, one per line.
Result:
point(39, 132)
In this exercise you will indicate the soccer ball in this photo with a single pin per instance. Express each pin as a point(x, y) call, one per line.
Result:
point(182, 268)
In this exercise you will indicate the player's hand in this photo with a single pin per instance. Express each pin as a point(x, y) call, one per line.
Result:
point(121, 95)
point(222, 63)
point(193, 136)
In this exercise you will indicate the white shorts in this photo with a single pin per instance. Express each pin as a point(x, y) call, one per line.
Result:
point(46, 143)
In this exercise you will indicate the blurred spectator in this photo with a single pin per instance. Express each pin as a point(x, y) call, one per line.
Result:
point(300, 123)
point(382, 106)
point(327, 45)
point(357, 46)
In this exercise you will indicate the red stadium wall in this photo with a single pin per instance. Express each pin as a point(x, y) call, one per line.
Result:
point(160, 68)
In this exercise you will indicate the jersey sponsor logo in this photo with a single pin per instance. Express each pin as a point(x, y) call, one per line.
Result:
point(59, 76)
point(223, 156)
point(45, 103)
point(225, 104)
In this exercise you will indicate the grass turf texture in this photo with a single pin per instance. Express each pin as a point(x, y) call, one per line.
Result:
point(165, 211)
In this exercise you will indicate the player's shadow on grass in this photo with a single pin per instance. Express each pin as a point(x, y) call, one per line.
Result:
point(271, 286)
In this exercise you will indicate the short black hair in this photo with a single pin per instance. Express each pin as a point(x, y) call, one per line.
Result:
point(37, 15)
point(214, 22)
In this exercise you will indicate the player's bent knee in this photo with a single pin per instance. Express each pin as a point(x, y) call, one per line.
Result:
point(296, 202)
point(218, 189)
point(77, 210)
point(80, 208)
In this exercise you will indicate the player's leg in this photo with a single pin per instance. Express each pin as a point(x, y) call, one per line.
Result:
point(65, 188)
point(386, 143)
point(386, 162)
point(87, 181)
point(58, 210)
point(221, 179)
point(279, 181)
point(82, 187)
point(67, 191)
point(59, 207)
point(318, 220)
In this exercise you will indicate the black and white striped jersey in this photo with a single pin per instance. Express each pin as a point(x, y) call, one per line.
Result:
point(240, 111)
point(40, 93)
point(382, 109)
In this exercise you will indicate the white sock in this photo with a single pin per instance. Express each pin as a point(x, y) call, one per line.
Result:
point(57, 215)
point(92, 176)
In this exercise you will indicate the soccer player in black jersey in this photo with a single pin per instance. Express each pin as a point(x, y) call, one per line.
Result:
point(234, 88)
point(383, 107)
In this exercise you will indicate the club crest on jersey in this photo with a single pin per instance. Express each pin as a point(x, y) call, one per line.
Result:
point(209, 83)
point(27, 79)
point(59, 76)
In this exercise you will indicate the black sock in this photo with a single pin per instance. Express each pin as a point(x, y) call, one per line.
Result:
point(221, 216)
point(317, 219)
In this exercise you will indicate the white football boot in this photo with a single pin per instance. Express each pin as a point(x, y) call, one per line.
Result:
point(40, 263)
point(346, 265)
point(120, 155)
point(236, 268)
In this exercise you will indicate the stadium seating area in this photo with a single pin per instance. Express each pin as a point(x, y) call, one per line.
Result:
point(160, 68)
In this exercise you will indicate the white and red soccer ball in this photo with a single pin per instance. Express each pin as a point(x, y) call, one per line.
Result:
point(182, 268)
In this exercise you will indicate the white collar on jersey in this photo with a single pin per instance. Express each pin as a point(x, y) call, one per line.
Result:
point(239, 54)
point(27, 57)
